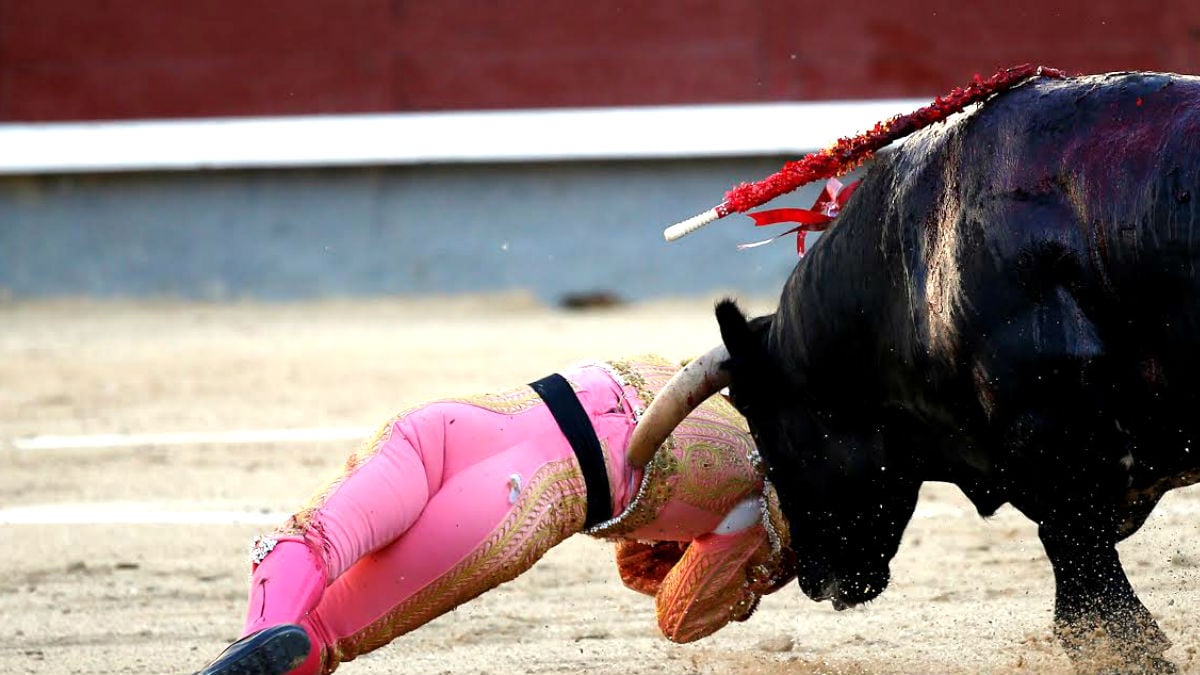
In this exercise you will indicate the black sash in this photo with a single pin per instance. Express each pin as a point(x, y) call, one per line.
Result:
point(577, 427)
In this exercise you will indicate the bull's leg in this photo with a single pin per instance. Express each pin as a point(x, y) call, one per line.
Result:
point(1054, 396)
point(1097, 616)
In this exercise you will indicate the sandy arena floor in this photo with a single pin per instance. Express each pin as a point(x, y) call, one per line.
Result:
point(967, 596)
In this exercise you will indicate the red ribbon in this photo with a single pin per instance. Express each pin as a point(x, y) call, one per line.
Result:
point(817, 219)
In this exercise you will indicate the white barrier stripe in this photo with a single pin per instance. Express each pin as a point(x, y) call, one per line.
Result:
point(133, 513)
point(159, 513)
point(234, 437)
point(649, 132)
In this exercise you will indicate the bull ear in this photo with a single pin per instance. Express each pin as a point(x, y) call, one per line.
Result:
point(735, 330)
point(749, 366)
point(745, 339)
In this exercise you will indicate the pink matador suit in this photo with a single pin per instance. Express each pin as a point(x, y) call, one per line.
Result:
point(453, 498)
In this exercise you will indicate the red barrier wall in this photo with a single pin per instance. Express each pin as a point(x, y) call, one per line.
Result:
point(76, 59)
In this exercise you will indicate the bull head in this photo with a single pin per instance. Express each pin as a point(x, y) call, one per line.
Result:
point(847, 502)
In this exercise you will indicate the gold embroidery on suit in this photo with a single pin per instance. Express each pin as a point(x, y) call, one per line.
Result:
point(510, 402)
point(709, 461)
point(302, 520)
point(550, 508)
point(707, 588)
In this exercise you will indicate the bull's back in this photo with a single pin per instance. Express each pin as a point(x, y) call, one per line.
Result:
point(1063, 211)
point(1089, 185)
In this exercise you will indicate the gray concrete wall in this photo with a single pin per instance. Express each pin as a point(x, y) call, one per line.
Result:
point(553, 229)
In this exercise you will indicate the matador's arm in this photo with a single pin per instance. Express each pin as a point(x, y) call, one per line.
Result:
point(719, 579)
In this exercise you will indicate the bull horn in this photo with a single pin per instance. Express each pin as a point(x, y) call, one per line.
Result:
point(690, 387)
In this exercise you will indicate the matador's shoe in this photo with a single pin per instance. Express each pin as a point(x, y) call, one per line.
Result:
point(270, 651)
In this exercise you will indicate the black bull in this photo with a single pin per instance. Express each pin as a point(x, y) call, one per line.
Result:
point(1010, 302)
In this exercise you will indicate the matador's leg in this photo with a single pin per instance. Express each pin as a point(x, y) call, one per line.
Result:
point(504, 487)
point(376, 498)
point(470, 538)
point(449, 501)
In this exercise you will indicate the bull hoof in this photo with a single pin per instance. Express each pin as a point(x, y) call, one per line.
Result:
point(1107, 647)
point(1109, 662)
point(1152, 665)
point(1157, 664)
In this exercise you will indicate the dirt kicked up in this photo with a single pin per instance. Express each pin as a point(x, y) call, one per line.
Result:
point(130, 558)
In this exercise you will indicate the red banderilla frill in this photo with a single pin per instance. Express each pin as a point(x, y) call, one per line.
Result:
point(848, 153)
point(817, 219)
